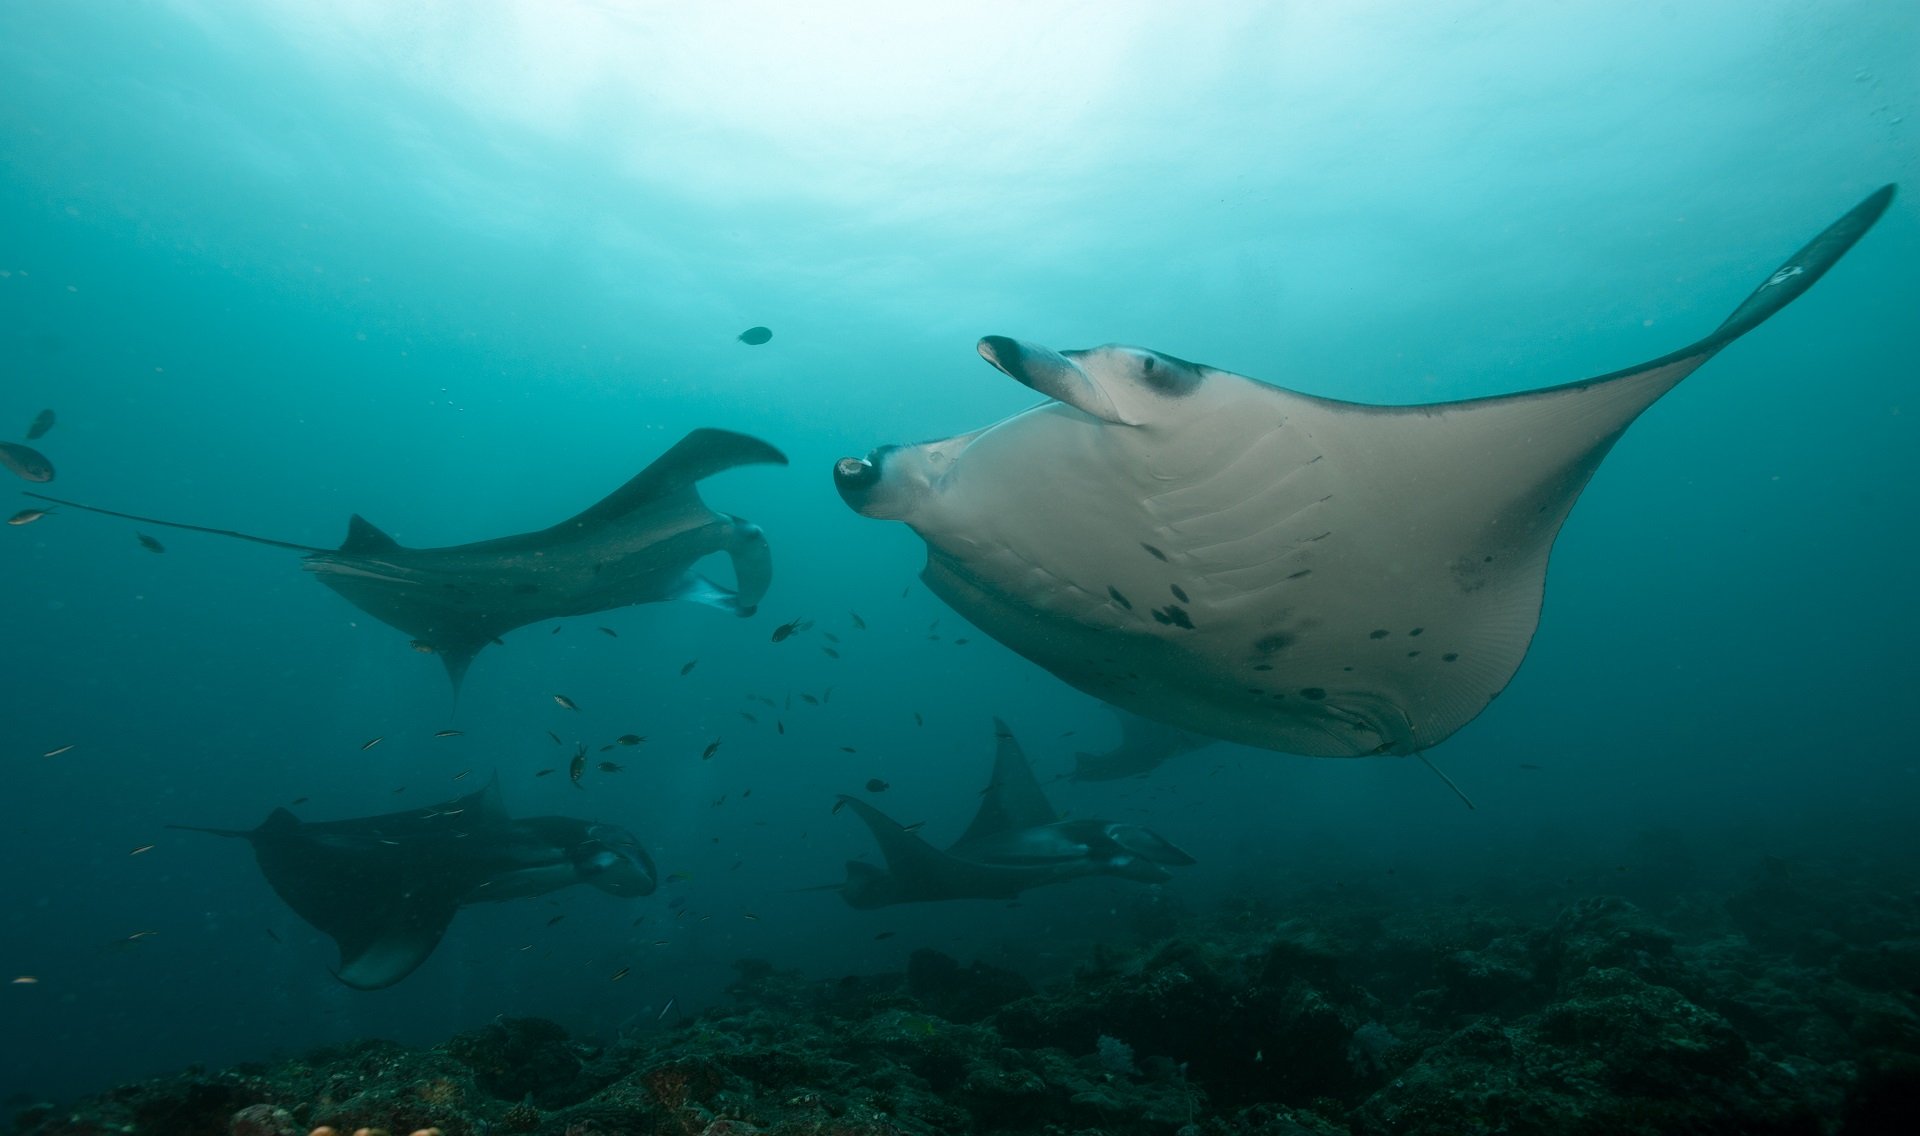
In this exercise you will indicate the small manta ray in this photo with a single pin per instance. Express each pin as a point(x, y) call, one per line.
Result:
point(385, 888)
point(1015, 842)
point(1144, 744)
point(1274, 568)
point(639, 545)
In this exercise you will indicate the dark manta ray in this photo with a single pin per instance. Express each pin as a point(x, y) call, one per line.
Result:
point(1015, 842)
point(637, 546)
point(1269, 567)
point(384, 888)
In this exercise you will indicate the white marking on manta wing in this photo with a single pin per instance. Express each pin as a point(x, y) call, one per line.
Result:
point(344, 568)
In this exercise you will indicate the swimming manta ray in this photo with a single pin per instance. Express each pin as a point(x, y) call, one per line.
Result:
point(639, 545)
point(385, 888)
point(1016, 842)
point(1144, 744)
point(1269, 567)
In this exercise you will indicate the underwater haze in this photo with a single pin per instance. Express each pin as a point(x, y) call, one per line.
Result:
point(464, 269)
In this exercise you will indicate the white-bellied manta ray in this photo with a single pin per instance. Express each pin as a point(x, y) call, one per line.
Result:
point(1269, 567)
point(1016, 842)
point(638, 545)
point(384, 888)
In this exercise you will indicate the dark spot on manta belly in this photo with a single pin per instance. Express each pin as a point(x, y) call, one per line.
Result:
point(1263, 666)
point(1416, 631)
point(1157, 554)
point(1413, 654)
point(1313, 693)
point(1118, 598)
point(1449, 657)
point(1380, 634)
point(1178, 594)
point(1174, 615)
point(1300, 573)
point(1278, 641)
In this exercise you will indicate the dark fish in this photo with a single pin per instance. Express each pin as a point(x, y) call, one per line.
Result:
point(918, 720)
point(858, 623)
point(297, 801)
point(809, 700)
point(829, 637)
point(27, 516)
point(629, 739)
point(686, 668)
point(848, 749)
point(961, 642)
point(780, 726)
point(556, 919)
point(829, 652)
point(25, 462)
point(564, 702)
point(148, 543)
point(749, 718)
point(764, 701)
point(556, 629)
point(839, 804)
point(371, 742)
point(554, 736)
point(577, 768)
point(499, 642)
point(271, 935)
point(447, 733)
point(875, 785)
point(755, 336)
point(713, 747)
point(421, 645)
point(610, 767)
point(542, 772)
point(606, 747)
point(786, 630)
point(883, 935)
point(462, 775)
point(42, 422)
point(609, 633)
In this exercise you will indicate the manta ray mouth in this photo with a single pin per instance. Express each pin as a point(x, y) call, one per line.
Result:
point(857, 478)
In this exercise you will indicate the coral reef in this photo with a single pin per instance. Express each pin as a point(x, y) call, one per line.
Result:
point(1787, 1007)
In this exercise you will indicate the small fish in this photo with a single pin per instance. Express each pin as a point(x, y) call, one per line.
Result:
point(609, 633)
point(669, 1005)
point(448, 733)
point(748, 717)
point(148, 543)
point(60, 750)
point(27, 516)
point(556, 919)
point(26, 980)
point(564, 702)
point(787, 630)
point(271, 935)
point(543, 772)
point(578, 766)
point(858, 623)
point(679, 877)
point(809, 699)
point(829, 652)
point(755, 336)
point(780, 726)
point(620, 974)
point(499, 642)
point(142, 848)
point(749, 917)
point(918, 720)
point(421, 645)
point(462, 775)
point(686, 668)
point(829, 637)
point(139, 935)
point(713, 747)
point(848, 749)
point(42, 422)
point(630, 739)
point(25, 462)
point(961, 642)
point(371, 742)
point(610, 767)
point(556, 629)
point(298, 801)
point(840, 803)
point(882, 936)
point(606, 747)
point(554, 736)
point(875, 785)
point(916, 826)
point(764, 701)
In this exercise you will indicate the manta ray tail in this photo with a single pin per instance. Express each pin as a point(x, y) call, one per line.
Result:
point(181, 525)
point(241, 833)
point(1442, 776)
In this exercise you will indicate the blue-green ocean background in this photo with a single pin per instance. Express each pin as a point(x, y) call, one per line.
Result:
point(464, 268)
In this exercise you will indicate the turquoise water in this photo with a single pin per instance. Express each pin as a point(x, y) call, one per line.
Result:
point(466, 269)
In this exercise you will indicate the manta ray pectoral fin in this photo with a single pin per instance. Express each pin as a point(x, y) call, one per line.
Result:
point(1013, 799)
point(378, 960)
point(673, 475)
point(1803, 268)
point(752, 564)
point(363, 538)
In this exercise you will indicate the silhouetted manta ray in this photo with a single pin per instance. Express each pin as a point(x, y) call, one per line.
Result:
point(637, 546)
point(1144, 744)
point(1269, 567)
point(385, 888)
point(1015, 842)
